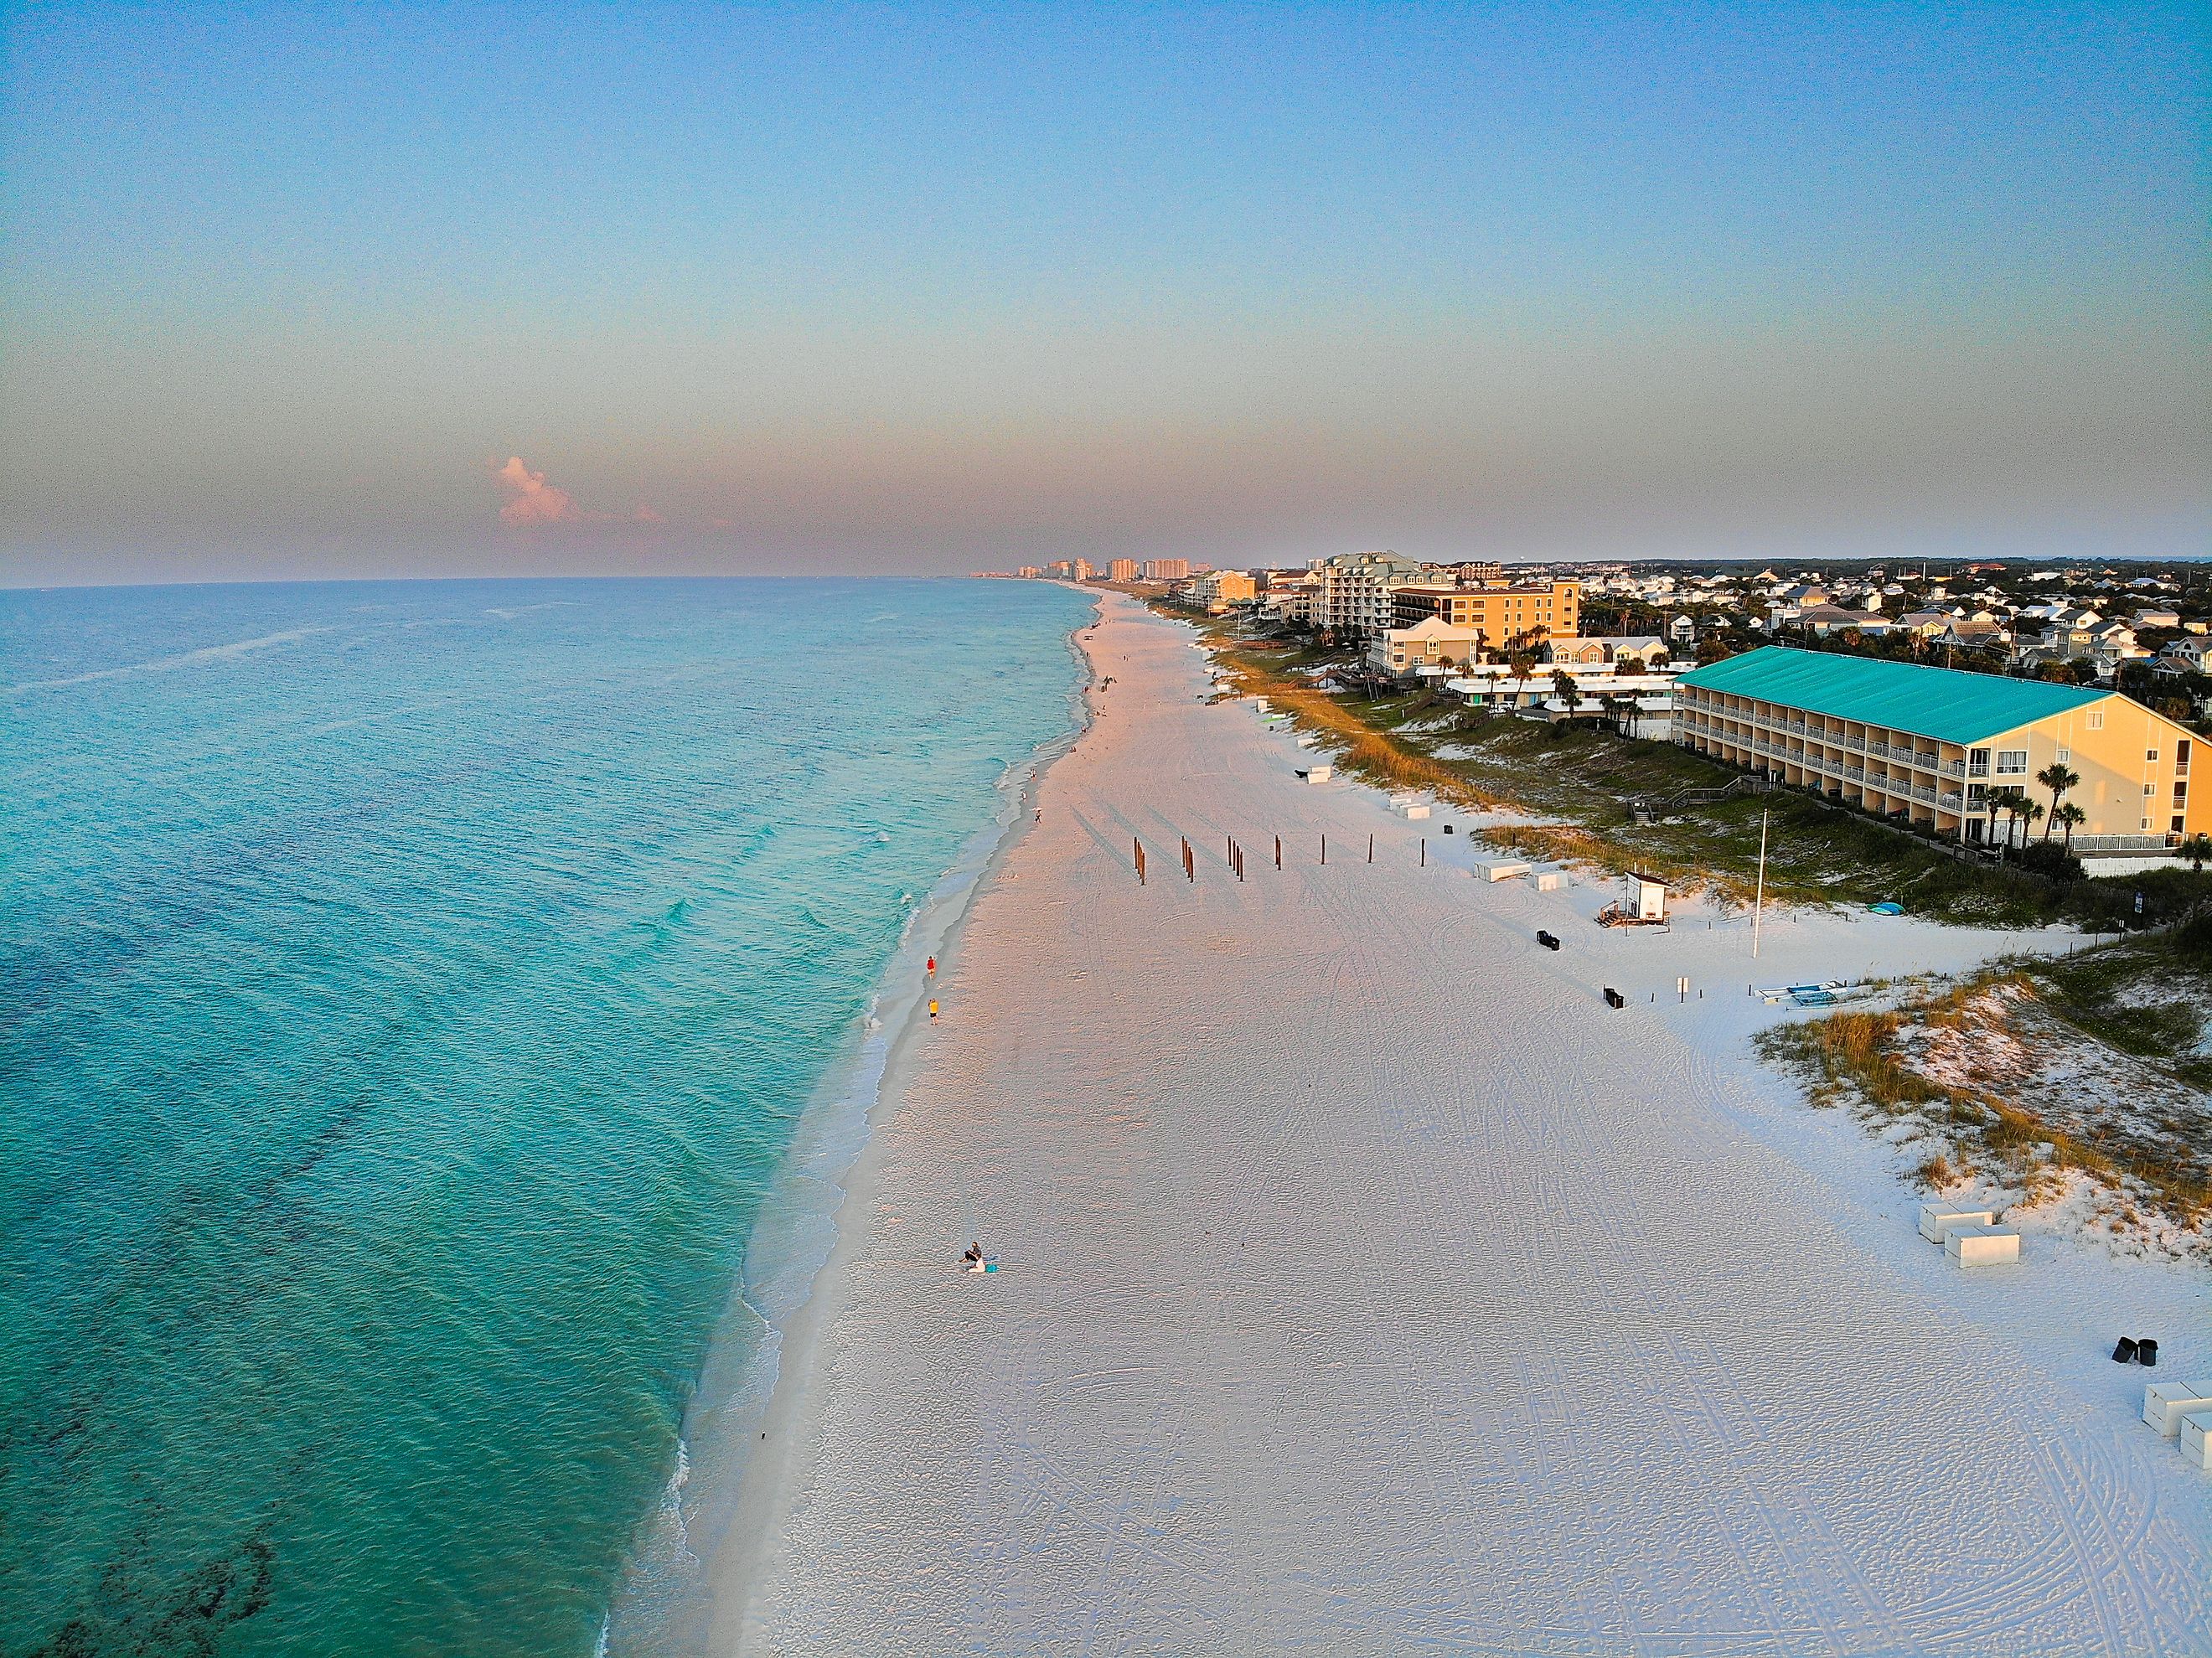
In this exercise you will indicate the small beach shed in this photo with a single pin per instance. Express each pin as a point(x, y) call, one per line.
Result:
point(1646, 898)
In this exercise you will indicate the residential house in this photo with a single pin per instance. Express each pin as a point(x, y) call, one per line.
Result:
point(1431, 642)
point(1605, 649)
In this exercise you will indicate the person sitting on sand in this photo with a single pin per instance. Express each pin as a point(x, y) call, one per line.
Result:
point(974, 1257)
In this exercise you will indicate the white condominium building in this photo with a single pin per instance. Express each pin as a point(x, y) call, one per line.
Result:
point(1352, 591)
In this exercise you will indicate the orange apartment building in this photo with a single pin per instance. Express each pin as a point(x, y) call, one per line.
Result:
point(1497, 613)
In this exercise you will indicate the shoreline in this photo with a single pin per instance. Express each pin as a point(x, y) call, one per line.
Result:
point(760, 1359)
point(1186, 1419)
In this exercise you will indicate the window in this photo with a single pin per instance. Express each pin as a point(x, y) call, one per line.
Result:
point(2063, 756)
point(2012, 762)
point(2181, 755)
point(2151, 755)
point(2146, 823)
point(2096, 719)
point(2180, 792)
point(2177, 823)
point(2149, 789)
point(1977, 762)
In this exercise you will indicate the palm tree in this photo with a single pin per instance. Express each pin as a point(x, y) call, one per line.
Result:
point(2002, 800)
point(2030, 812)
point(2055, 778)
point(2197, 848)
point(2070, 814)
point(1562, 684)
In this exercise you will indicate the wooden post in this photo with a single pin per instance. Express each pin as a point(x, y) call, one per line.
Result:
point(1279, 852)
point(1371, 849)
point(1138, 848)
point(1189, 865)
point(1424, 851)
point(1324, 848)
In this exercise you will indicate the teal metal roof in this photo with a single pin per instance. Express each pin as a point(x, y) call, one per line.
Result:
point(1942, 703)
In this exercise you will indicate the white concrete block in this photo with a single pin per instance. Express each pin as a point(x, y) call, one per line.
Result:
point(2195, 1438)
point(1417, 813)
point(2165, 1403)
point(1937, 1218)
point(1320, 773)
point(1504, 870)
point(1549, 880)
point(1972, 1243)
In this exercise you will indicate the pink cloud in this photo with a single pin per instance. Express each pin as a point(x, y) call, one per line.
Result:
point(531, 500)
point(645, 514)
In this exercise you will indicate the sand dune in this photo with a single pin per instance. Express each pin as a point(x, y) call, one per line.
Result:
point(1369, 1286)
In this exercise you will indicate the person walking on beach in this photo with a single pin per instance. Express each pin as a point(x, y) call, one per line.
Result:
point(932, 967)
point(933, 1010)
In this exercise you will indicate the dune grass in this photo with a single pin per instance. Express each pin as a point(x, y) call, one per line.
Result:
point(2132, 994)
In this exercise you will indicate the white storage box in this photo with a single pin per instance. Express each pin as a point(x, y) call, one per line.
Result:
point(1937, 1218)
point(1320, 773)
point(2165, 1403)
point(1416, 813)
point(2196, 1439)
point(1549, 880)
point(1502, 872)
point(1973, 1243)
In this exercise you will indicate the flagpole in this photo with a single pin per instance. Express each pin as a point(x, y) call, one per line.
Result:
point(1758, 903)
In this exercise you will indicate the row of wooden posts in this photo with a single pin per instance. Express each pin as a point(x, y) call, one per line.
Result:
point(1235, 853)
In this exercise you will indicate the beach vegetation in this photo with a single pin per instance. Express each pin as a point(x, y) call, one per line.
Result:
point(2089, 1064)
point(1578, 790)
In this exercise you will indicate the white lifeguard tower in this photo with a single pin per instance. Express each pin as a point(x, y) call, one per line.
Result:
point(1646, 899)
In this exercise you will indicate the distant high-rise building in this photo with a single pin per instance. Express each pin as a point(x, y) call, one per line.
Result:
point(1083, 571)
point(1167, 569)
point(1122, 569)
point(1030, 570)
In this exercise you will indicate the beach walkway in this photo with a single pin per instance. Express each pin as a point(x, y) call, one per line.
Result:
point(1369, 1286)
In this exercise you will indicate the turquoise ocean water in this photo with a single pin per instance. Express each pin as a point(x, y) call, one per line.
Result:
point(407, 992)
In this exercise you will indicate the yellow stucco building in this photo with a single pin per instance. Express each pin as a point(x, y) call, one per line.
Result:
point(1936, 745)
point(1496, 614)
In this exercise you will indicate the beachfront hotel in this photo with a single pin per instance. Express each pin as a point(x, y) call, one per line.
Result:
point(1537, 612)
point(1934, 744)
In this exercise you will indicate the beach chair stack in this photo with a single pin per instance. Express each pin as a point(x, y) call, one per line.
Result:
point(1969, 1237)
point(2182, 1411)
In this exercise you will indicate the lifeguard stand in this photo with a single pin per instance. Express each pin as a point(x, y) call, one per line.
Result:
point(1646, 898)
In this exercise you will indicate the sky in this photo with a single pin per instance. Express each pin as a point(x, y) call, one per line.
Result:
point(305, 291)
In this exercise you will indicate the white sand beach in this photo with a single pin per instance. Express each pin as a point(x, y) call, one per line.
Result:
point(1369, 1286)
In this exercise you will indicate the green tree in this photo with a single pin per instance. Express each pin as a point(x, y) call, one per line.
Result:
point(2070, 814)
